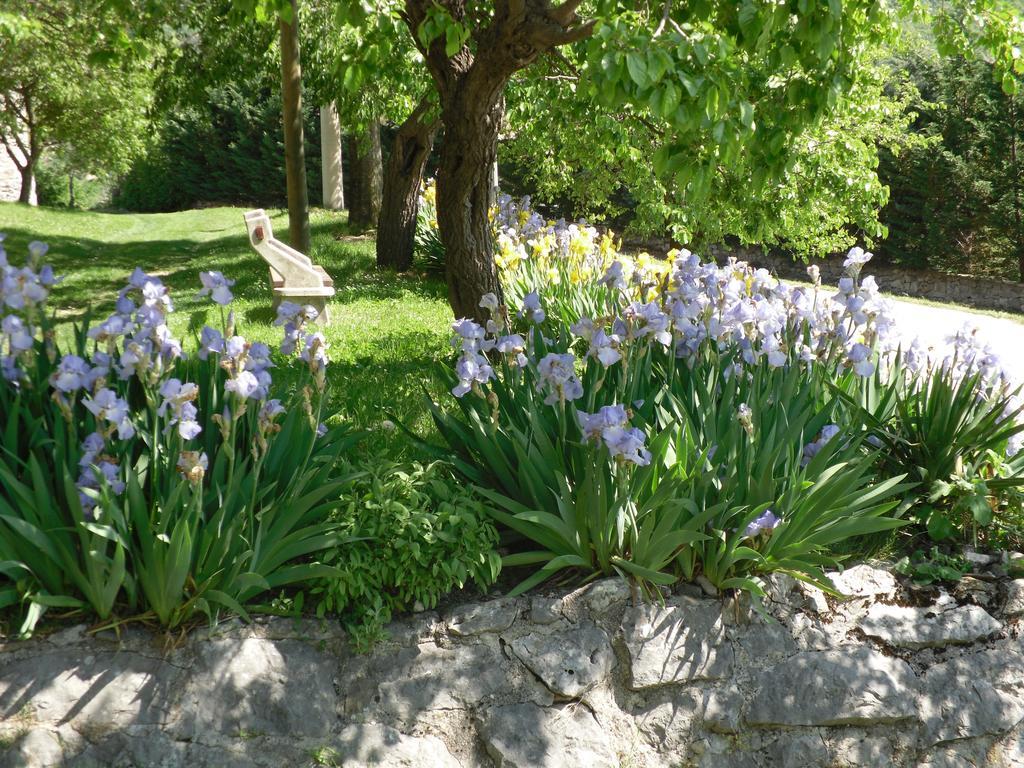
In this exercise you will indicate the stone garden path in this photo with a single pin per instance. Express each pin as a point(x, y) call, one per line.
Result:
point(933, 324)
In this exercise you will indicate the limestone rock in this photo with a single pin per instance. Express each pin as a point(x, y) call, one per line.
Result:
point(705, 686)
point(364, 745)
point(799, 749)
point(528, 736)
point(856, 748)
point(865, 581)
point(856, 686)
point(668, 726)
point(37, 748)
point(765, 641)
point(409, 682)
point(979, 559)
point(105, 688)
point(973, 695)
point(569, 663)
point(259, 686)
point(1014, 598)
point(682, 642)
point(492, 616)
point(810, 634)
point(545, 610)
point(605, 594)
point(912, 627)
point(723, 708)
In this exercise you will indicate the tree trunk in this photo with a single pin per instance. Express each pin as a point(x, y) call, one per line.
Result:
point(28, 178)
point(71, 190)
point(471, 83)
point(471, 123)
point(396, 226)
point(366, 176)
point(294, 151)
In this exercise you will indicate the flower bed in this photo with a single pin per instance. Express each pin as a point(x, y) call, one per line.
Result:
point(684, 420)
point(140, 482)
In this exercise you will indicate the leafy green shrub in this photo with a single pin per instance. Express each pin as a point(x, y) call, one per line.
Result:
point(196, 491)
point(951, 425)
point(230, 150)
point(416, 535)
point(52, 186)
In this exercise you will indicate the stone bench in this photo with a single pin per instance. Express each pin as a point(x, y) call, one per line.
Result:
point(293, 277)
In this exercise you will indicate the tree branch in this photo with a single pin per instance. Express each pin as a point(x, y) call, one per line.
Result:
point(664, 18)
point(10, 154)
point(550, 36)
point(565, 14)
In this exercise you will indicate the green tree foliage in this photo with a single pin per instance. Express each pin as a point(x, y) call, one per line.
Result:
point(227, 150)
point(599, 161)
point(72, 80)
point(734, 90)
point(956, 199)
point(216, 124)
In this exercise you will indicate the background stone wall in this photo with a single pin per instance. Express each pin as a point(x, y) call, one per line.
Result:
point(579, 680)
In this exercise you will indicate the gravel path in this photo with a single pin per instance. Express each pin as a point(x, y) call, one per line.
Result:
point(933, 324)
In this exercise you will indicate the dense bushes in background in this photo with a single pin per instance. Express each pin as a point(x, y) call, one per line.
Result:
point(229, 150)
point(84, 192)
point(957, 203)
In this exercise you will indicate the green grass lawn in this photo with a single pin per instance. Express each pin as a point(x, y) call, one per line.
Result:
point(386, 329)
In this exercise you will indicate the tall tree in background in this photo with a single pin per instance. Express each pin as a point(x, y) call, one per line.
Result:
point(410, 149)
point(377, 74)
point(729, 85)
point(471, 55)
point(294, 149)
point(72, 80)
point(366, 175)
point(956, 199)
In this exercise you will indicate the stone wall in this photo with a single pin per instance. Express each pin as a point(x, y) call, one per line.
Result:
point(926, 284)
point(10, 179)
point(585, 680)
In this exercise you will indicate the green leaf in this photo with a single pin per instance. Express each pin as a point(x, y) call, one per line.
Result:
point(637, 67)
point(939, 526)
point(669, 99)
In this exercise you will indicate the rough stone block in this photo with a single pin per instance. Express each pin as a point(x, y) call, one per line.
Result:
point(259, 686)
point(569, 663)
point(682, 642)
point(914, 627)
point(492, 616)
point(858, 686)
point(528, 736)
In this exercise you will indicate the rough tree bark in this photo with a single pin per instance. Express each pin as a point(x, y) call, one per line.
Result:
point(396, 225)
point(294, 150)
point(24, 150)
point(471, 89)
point(27, 178)
point(365, 178)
